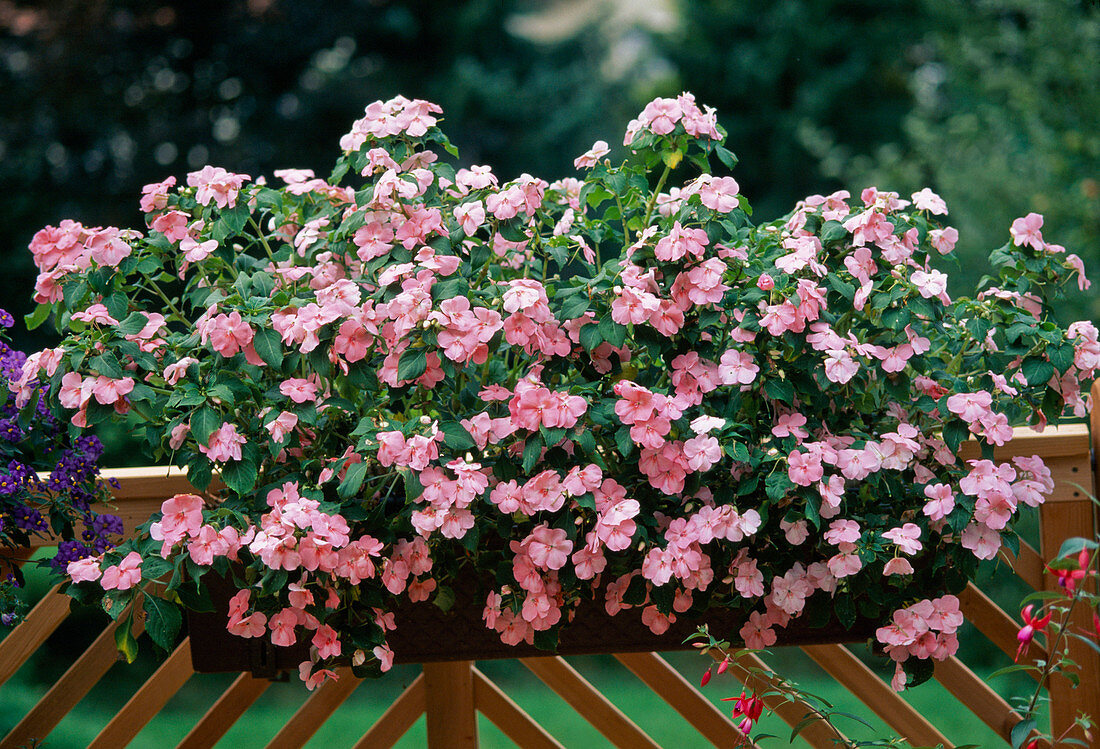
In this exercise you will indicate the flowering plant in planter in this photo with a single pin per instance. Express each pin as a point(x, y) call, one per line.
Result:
point(612, 388)
point(48, 482)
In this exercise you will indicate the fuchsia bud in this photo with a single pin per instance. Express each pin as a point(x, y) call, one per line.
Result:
point(726, 663)
point(706, 678)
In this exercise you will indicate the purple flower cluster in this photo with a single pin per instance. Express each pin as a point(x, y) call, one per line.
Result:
point(48, 482)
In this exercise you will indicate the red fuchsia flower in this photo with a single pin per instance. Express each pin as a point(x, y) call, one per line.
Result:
point(1032, 625)
point(706, 678)
point(1068, 578)
point(748, 709)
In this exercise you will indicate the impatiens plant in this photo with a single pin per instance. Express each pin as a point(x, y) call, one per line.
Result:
point(411, 377)
point(48, 483)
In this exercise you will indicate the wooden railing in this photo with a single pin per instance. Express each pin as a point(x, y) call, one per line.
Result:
point(451, 694)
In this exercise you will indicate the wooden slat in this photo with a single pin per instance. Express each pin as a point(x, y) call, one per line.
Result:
point(817, 734)
point(994, 623)
point(452, 717)
point(71, 688)
point(1059, 441)
point(683, 697)
point(315, 711)
point(850, 671)
point(221, 716)
point(977, 696)
point(1028, 565)
point(38, 625)
point(1065, 515)
point(148, 700)
point(589, 702)
point(398, 718)
point(509, 717)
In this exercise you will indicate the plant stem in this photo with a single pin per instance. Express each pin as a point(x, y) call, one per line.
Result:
point(163, 297)
point(653, 198)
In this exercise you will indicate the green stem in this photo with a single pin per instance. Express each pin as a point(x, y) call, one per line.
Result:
point(1048, 664)
point(627, 240)
point(263, 240)
point(653, 198)
point(152, 285)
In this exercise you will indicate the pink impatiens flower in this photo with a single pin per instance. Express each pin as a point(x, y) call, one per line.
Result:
point(1026, 232)
point(123, 576)
point(224, 444)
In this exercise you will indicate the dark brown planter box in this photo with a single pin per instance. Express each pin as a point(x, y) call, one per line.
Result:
point(426, 634)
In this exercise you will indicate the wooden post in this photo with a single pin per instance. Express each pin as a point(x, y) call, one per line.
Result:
point(1070, 512)
point(449, 698)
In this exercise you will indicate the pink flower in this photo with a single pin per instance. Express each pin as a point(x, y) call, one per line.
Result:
point(1026, 231)
point(282, 628)
point(898, 566)
point(719, 193)
point(589, 158)
point(906, 537)
point(941, 501)
point(216, 185)
point(804, 468)
point(299, 390)
point(84, 570)
point(681, 242)
point(757, 633)
point(282, 425)
point(926, 200)
point(96, 313)
point(123, 576)
point(944, 240)
point(842, 531)
point(224, 444)
point(982, 540)
point(108, 391)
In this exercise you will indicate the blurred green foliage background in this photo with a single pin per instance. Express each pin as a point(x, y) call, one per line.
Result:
point(993, 103)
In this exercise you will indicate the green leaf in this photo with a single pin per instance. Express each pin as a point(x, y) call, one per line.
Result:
point(1037, 370)
point(779, 390)
point(413, 487)
point(590, 337)
point(624, 441)
point(269, 345)
point(1073, 546)
point(236, 217)
point(612, 332)
point(107, 365)
point(203, 423)
point(456, 436)
point(954, 433)
point(1061, 357)
point(162, 621)
point(125, 641)
point(845, 611)
point(412, 364)
point(1020, 732)
point(833, 231)
point(444, 598)
point(155, 568)
point(36, 318)
point(353, 480)
point(547, 639)
point(240, 475)
point(532, 451)
point(573, 307)
point(133, 323)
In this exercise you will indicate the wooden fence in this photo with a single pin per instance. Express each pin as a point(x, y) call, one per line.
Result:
point(452, 693)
